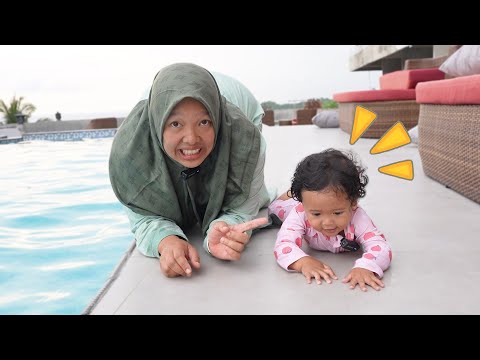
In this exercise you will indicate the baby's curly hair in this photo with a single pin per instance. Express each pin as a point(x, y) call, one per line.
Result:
point(330, 169)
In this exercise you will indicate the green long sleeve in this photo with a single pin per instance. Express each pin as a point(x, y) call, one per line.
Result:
point(150, 230)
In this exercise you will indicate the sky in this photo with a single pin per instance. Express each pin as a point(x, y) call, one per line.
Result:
point(85, 81)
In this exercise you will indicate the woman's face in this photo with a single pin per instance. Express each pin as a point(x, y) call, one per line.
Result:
point(188, 135)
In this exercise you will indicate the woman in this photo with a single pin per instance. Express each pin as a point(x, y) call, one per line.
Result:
point(187, 155)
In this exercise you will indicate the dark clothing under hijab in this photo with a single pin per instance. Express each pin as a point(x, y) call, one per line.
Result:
point(149, 182)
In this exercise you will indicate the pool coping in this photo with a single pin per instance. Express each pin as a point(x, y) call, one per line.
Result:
point(67, 135)
point(110, 280)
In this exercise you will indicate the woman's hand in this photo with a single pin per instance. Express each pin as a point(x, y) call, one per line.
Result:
point(313, 268)
point(227, 242)
point(361, 277)
point(176, 256)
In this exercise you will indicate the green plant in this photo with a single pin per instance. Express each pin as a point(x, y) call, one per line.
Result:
point(324, 103)
point(271, 105)
point(16, 106)
point(329, 104)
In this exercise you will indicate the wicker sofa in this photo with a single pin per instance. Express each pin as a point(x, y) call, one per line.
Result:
point(395, 101)
point(449, 133)
point(389, 106)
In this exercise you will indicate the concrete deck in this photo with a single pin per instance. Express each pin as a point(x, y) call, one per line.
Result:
point(433, 231)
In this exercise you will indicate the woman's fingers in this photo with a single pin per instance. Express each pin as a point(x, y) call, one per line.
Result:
point(234, 245)
point(232, 254)
point(234, 236)
point(171, 268)
point(193, 257)
point(250, 225)
point(175, 264)
point(239, 237)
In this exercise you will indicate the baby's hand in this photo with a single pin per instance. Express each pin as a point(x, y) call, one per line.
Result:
point(313, 268)
point(363, 277)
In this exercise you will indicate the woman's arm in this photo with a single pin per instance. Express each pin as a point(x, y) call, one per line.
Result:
point(150, 230)
point(257, 199)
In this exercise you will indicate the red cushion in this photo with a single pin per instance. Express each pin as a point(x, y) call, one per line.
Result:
point(375, 95)
point(458, 91)
point(408, 79)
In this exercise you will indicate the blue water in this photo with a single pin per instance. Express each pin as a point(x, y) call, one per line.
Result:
point(62, 230)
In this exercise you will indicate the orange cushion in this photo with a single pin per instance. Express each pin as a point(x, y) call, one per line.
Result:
point(463, 90)
point(375, 95)
point(408, 79)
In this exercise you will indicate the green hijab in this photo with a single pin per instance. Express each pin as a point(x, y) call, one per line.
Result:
point(145, 179)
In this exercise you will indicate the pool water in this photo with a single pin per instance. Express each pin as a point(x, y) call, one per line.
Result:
point(62, 230)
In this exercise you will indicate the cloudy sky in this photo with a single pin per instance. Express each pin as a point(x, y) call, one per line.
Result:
point(80, 80)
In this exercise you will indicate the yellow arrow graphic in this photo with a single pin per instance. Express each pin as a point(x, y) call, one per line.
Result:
point(393, 138)
point(401, 169)
point(363, 119)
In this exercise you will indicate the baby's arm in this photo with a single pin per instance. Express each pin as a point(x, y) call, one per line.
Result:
point(377, 253)
point(290, 256)
point(288, 246)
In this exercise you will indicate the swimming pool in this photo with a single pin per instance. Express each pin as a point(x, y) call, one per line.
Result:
point(62, 230)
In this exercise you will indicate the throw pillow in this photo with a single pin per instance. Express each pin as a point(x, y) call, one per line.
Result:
point(465, 61)
point(413, 132)
point(326, 119)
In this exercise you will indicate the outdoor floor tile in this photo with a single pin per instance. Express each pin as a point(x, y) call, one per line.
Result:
point(433, 232)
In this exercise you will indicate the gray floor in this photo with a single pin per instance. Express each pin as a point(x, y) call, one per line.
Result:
point(433, 231)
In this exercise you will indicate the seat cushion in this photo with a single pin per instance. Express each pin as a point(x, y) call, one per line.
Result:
point(388, 113)
point(375, 95)
point(458, 91)
point(408, 79)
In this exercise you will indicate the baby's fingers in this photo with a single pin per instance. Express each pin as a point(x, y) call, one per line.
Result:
point(375, 283)
point(308, 275)
point(318, 277)
point(353, 282)
point(326, 276)
point(362, 285)
point(327, 269)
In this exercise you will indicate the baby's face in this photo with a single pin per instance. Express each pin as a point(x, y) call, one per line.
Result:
point(328, 212)
point(188, 135)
